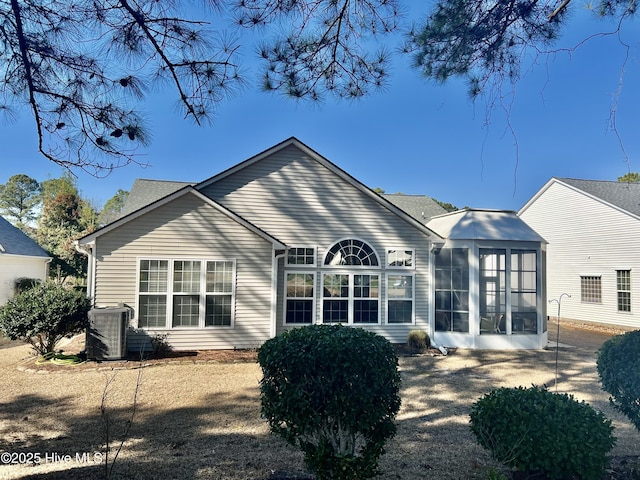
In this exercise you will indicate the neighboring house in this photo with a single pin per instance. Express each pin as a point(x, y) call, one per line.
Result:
point(20, 257)
point(281, 240)
point(593, 230)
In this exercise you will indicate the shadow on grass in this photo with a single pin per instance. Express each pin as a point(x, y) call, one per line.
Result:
point(223, 437)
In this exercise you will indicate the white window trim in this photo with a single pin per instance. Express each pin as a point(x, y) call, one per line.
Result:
point(301, 265)
point(403, 272)
point(388, 250)
point(203, 294)
point(313, 298)
point(364, 267)
point(350, 299)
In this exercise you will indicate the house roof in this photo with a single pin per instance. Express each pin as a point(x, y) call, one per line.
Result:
point(14, 241)
point(145, 191)
point(623, 195)
point(480, 224)
point(185, 190)
point(420, 207)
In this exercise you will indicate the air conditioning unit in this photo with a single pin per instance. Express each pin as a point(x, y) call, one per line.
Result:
point(107, 333)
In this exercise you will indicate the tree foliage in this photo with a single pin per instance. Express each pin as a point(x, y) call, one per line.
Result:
point(19, 198)
point(113, 207)
point(65, 218)
point(631, 177)
point(334, 392)
point(619, 370)
point(43, 315)
point(83, 68)
point(485, 42)
point(80, 67)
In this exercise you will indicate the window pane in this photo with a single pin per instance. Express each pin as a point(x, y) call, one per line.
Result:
point(186, 276)
point(443, 278)
point(336, 286)
point(400, 286)
point(301, 256)
point(443, 300)
point(365, 286)
point(299, 285)
point(220, 277)
point(590, 289)
point(299, 311)
point(365, 311)
point(335, 311)
point(153, 311)
point(460, 322)
point(153, 276)
point(186, 310)
point(218, 310)
point(351, 252)
point(400, 311)
point(400, 258)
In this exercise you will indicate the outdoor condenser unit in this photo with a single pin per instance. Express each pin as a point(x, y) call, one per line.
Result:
point(107, 333)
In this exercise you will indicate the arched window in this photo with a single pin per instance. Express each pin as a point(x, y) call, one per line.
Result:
point(351, 252)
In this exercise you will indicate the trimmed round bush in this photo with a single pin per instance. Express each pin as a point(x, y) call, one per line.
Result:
point(43, 315)
point(619, 370)
point(418, 340)
point(538, 432)
point(333, 391)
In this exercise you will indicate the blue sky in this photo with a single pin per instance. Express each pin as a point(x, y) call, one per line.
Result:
point(414, 137)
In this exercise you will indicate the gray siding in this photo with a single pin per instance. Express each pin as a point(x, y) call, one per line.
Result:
point(190, 228)
point(587, 237)
point(303, 203)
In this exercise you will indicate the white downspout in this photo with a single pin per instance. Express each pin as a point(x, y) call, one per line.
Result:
point(274, 293)
point(91, 271)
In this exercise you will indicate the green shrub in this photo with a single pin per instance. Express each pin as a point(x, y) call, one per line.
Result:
point(25, 283)
point(418, 340)
point(334, 392)
point(619, 370)
point(43, 315)
point(538, 432)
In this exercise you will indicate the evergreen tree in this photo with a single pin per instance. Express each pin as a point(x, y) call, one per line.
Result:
point(19, 198)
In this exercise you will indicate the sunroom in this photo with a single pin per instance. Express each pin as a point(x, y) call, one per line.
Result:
point(489, 281)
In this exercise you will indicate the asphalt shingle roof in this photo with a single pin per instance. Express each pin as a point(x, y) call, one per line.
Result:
point(621, 194)
point(144, 191)
point(14, 241)
point(420, 207)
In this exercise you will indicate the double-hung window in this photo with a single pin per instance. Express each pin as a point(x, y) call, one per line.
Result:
point(299, 302)
point(623, 285)
point(350, 298)
point(175, 293)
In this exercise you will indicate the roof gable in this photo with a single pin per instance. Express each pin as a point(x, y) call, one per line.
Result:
point(14, 241)
point(624, 195)
point(186, 190)
point(315, 156)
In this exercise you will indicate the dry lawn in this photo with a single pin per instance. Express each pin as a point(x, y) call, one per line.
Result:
point(201, 419)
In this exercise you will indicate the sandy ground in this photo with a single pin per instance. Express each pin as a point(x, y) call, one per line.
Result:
point(201, 418)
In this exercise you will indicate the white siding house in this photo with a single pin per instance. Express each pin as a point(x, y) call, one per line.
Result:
point(20, 257)
point(283, 239)
point(593, 252)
